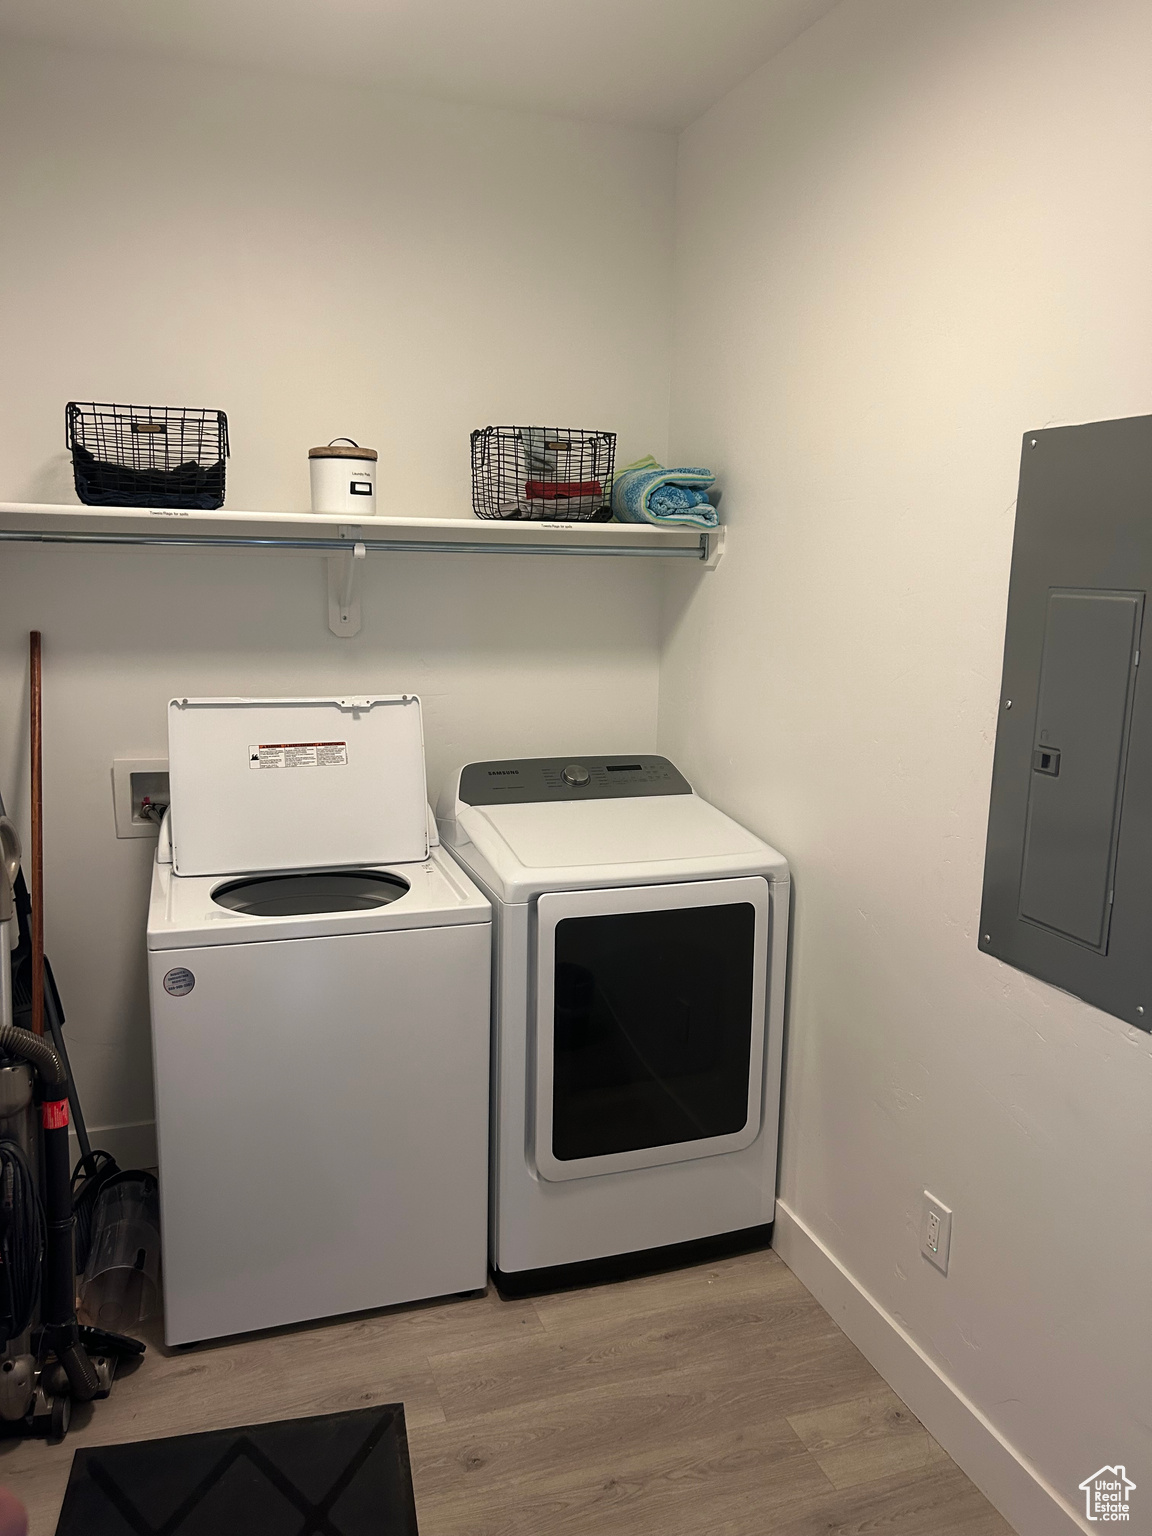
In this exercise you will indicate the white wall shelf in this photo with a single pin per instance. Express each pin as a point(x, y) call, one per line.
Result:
point(346, 543)
point(34, 522)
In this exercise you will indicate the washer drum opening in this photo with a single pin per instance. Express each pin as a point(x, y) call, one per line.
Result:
point(351, 890)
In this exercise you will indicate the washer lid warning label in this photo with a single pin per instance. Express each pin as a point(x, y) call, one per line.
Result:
point(299, 754)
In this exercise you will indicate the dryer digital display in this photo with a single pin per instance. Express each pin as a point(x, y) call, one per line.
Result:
point(529, 780)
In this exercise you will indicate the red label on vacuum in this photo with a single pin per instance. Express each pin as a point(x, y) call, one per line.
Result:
point(54, 1115)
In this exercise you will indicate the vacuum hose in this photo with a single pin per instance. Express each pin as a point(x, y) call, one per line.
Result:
point(57, 1301)
point(80, 1371)
point(36, 1051)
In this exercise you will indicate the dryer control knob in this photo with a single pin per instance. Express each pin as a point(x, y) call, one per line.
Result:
point(575, 774)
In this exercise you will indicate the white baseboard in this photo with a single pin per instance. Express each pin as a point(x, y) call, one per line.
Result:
point(1029, 1504)
point(133, 1146)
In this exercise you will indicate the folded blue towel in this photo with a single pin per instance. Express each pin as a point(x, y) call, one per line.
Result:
point(646, 492)
point(669, 499)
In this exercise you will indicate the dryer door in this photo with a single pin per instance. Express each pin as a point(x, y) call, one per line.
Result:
point(649, 1034)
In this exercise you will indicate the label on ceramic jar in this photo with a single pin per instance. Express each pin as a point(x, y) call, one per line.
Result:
point(298, 754)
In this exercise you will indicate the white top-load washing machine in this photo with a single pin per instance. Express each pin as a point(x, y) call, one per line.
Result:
point(640, 952)
point(319, 973)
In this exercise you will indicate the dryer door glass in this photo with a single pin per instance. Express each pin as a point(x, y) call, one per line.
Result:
point(656, 1026)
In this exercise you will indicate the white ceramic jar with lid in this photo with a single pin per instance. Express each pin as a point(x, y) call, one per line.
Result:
point(343, 478)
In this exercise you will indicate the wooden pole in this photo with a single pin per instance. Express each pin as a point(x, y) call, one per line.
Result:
point(37, 839)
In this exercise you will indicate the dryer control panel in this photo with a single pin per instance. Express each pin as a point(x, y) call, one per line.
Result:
point(517, 781)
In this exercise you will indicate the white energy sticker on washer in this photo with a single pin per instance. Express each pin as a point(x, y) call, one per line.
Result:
point(299, 754)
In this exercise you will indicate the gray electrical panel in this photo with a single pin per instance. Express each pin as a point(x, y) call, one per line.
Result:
point(1068, 868)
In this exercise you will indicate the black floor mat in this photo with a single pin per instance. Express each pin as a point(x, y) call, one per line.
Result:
point(338, 1474)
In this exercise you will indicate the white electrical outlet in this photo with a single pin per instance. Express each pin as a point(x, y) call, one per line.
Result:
point(936, 1232)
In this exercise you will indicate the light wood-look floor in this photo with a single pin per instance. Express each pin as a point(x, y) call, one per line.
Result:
point(715, 1401)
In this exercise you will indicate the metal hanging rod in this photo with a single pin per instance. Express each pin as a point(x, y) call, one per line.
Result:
point(344, 546)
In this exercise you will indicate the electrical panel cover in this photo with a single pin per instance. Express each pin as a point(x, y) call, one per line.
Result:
point(1068, 867)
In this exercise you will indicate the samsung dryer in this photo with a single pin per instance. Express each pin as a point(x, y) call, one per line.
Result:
point(319, 974)
point(640, 940)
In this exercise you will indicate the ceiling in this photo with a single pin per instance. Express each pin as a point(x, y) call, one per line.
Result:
point(659, 63)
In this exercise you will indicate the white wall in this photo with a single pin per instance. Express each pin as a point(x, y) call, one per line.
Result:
point(315, 260)
point(922, 230)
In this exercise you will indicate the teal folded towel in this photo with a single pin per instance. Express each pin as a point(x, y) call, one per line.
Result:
point(646, 492)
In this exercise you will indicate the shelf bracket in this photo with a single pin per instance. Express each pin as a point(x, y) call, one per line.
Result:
point(344, 591)
point(712, 547)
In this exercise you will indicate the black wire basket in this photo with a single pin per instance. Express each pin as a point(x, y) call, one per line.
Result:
point(543, 473)
point(147, 455)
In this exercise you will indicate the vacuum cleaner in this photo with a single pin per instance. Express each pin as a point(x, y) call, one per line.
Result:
point(48, 1360)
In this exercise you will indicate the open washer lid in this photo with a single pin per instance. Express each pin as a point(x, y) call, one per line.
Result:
point(275, 784)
